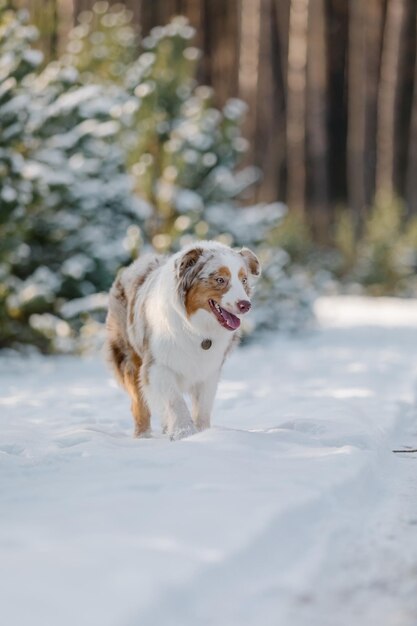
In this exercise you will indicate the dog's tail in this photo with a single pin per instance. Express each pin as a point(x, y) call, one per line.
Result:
point(118, 351)
point(121, 354)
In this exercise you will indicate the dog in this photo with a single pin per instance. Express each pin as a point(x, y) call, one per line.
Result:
point(171, 323)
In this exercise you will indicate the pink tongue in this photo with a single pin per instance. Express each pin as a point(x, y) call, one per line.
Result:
point(232, 320)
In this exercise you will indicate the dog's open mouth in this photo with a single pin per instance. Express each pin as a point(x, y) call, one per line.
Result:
point(226, 319)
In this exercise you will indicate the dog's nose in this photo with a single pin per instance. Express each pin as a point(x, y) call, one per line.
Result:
point(244, 306)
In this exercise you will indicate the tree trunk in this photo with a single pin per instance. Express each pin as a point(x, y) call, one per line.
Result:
point(411, 181)
point(387, 99)
point(404, 98)
point(193, 9)
point(221, 34)
point(156, 13)
point(270, 123)
point(374, 33)
point(357, 100)
point(250, 24)
point(317, 135)
point(282, 13)
point(296, 105)
point(337, 35)
point(79, 6)
point(65, 20)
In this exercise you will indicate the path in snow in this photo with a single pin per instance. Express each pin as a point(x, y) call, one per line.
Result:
point(291, 510)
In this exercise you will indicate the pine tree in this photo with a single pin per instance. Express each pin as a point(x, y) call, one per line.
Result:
point(181, 150)
point(114, 157)
point(70, 230)
point(17, 191)
point(184, 156)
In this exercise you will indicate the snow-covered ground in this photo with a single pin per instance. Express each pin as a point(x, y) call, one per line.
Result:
point(291, 511)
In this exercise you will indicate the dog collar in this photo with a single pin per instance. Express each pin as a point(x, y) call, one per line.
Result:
point(206, 344)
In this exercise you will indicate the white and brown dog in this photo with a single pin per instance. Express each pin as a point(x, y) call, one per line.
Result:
point(170, 325)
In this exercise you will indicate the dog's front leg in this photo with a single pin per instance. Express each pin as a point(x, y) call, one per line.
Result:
point(165, 399)
point(203, 395)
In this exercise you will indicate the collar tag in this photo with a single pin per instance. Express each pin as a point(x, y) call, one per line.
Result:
point(206, 344)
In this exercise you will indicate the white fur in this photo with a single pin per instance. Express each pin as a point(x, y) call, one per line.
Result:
point(179, 364)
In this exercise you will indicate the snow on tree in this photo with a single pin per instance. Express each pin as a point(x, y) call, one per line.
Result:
point(101, 159)
point(181, 150)
point(17, 193)
point(67, 201)
point(184, 156)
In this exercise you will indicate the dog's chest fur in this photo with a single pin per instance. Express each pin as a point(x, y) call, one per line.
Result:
point(183, 351)
point(178, 345)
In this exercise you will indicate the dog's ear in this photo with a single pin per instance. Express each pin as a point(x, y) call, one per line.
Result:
point(251, 261)
point(188, 267)
point(188, 260)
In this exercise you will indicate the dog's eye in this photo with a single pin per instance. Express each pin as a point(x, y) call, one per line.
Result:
point(220, 280)
point(244, 280)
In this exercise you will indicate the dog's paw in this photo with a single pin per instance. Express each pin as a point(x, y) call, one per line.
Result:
point(202, 425)
point(182, 432)
point(142, 434)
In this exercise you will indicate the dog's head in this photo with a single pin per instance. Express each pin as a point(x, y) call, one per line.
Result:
point(216, 280)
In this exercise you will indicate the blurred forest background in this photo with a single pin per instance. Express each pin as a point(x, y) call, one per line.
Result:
point(286, 125)
point(331, 87)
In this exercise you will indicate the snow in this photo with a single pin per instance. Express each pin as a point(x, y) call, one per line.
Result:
point(77, 306)
point(385, 312)
point(33, 57)
point(292, 509)
point(252, 223)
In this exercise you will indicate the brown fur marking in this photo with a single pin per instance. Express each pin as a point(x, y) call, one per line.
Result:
point(201, 291)
point(191, 264)
point(139, 407)
point(251, 261)
point(242, 275)
point(131, 365)
point(127, 365)
point(119, 293)
point(140, 280)
point(117, 354)
point(189, 260)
